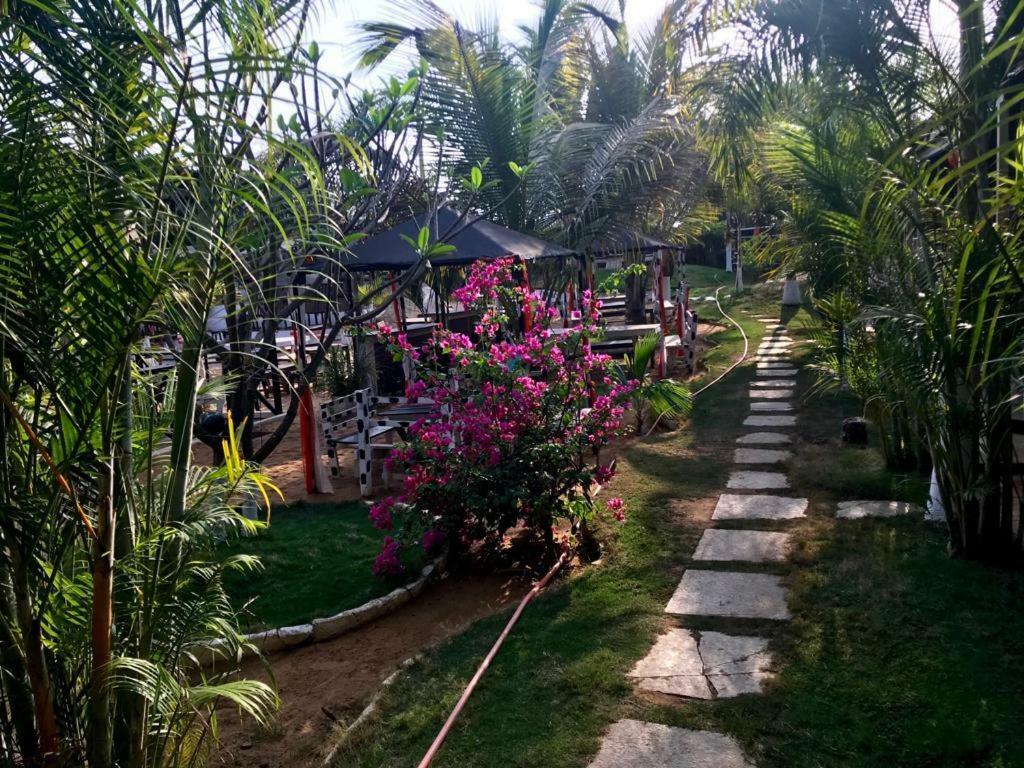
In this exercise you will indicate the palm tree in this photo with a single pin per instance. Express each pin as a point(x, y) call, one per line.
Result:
point(883, 150)
point(132, 189)
point(597, 123)
point(658, 398)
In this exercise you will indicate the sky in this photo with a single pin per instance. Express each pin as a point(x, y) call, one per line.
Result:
point(336, 26)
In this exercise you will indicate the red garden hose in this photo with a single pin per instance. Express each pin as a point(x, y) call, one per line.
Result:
point(443, 734)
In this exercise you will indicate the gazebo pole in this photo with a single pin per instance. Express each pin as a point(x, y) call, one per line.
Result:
point(396, 307)
point(663, 319)
point(307, 426)
point(527, 308)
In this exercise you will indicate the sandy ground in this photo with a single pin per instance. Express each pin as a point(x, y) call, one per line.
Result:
point(341, 675)
point(285, 469)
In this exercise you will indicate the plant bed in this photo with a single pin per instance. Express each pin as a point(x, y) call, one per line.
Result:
point(317, 561)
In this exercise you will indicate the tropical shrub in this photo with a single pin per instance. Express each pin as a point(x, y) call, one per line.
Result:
point(660, 398)
point(517, 421)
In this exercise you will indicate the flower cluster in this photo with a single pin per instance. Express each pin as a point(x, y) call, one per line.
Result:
point(516, 421)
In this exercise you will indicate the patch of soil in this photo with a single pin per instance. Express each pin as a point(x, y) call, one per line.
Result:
point(340, 675)
point(285, 469)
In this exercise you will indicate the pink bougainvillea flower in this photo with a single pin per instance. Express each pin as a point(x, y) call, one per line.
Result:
point(513, 416)
point(617, 507)
point(380, 514)
point(432, 539)
point(388, 562)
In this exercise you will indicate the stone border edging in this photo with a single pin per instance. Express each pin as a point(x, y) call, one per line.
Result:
point(328, 628)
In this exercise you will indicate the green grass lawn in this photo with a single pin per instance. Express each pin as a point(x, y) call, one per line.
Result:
point(316, 562)
point(896, 656)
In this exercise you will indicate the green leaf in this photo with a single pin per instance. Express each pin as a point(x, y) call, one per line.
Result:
point(476, 177)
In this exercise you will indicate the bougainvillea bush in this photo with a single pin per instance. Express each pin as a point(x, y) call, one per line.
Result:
point(518, 419)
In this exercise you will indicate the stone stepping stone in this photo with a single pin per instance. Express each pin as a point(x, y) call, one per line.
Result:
point(759, 456)
point(635, 744)
point(777, 373)
point(854, 510)
point(774, 364)
point(771, 407)
point(781, 346)
point(725, 593)
point(762, 420)
point(764, 438)
point(734, 506)
point(723, 545)
point(707, 665)
point(773, 384)
point(754, 480)
point(735, 664)
point(673, 666)
point(772, 355)
point(771, 394)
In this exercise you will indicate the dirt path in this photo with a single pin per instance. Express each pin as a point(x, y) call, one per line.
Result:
point(341, 675)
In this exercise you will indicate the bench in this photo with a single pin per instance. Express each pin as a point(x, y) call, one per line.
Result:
point(356, 421)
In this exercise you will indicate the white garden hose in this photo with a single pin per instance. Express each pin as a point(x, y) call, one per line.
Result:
point(742, 357)
point(727, 371)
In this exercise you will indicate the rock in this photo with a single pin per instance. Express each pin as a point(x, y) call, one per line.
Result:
point(855, 431)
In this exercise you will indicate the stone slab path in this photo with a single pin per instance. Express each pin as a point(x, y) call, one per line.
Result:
point(771, 394)
point(762, 420)
point(853, 510)
point(756, 480)
point(759, 456)
point(764, 438)
point(704, 665)
point(688, 664)
point(633, 744)
point(731, 594)
point(762, 407)
point(758, 507)
point(749, 546)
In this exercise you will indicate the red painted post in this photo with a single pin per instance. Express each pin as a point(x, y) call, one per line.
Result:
point(527, 307)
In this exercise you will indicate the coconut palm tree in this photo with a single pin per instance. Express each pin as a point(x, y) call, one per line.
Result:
point(595, 120)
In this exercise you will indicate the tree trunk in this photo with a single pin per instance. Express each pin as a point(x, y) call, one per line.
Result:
point(100, 744)
point(17, 686)
point(35, 662)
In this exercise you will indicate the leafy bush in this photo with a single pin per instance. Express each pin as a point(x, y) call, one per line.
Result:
point(516, 420)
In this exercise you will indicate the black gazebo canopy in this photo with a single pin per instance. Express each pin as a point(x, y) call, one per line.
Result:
point(481, 239)
point(634, 242)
